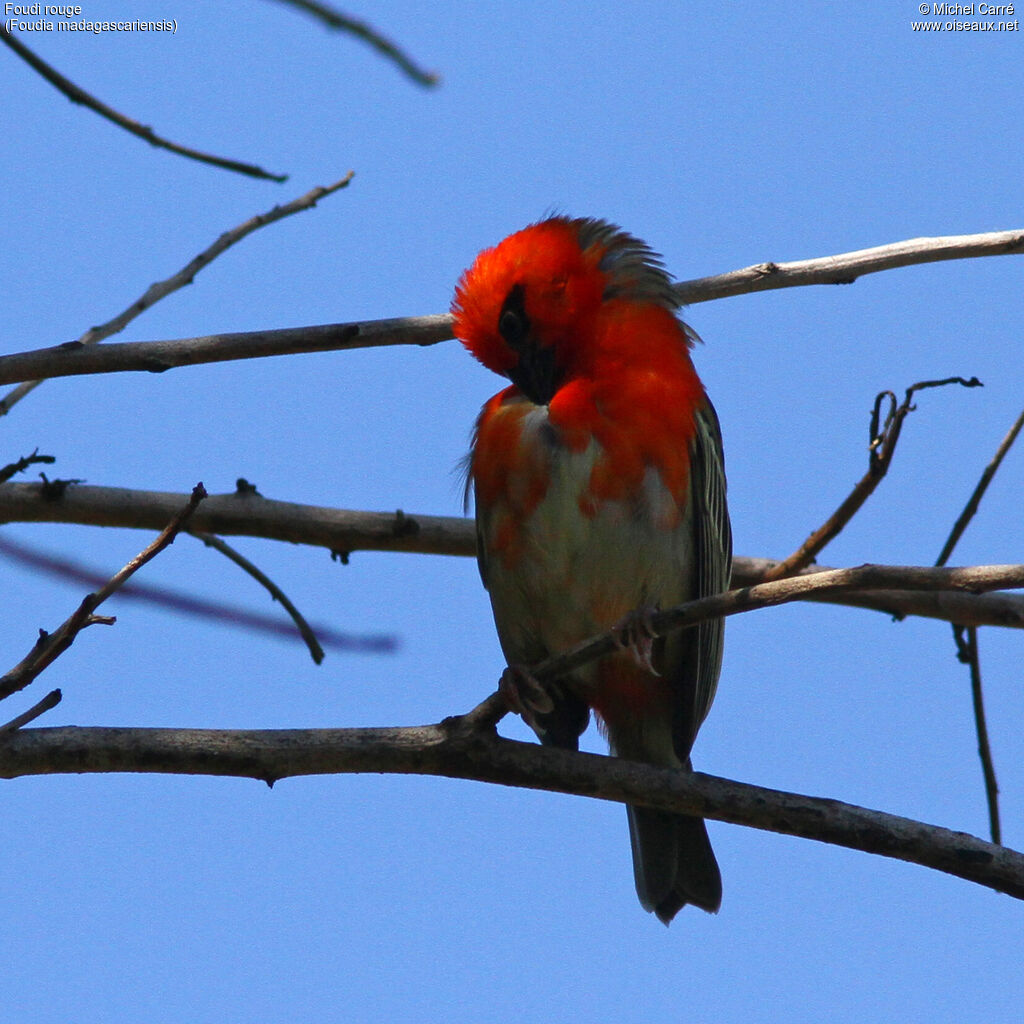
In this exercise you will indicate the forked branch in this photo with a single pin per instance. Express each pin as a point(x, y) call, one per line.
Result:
point(51, 646)
point(161, 289)
point(884, 435)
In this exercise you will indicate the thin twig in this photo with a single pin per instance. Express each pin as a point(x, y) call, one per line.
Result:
point(846, 267)
point(51, 700)
point(334, 19)
point(161, 289)
point(979, 491)
point(187, 603)
point(342, 531)
point(50, 646)
point(13, 468)
point(429, 330)
point(486, 757)
point(484, 717)
point(967, 644)
point(80, 96)
point(213, 541)
point(884, 435)
point(966, 637)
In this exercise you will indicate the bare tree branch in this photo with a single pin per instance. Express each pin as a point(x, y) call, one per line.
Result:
point(451, 751)
point(334, 19)
point(211, 540)
point(979, 491)
point(51, 700)
point(975, 579)
point(192, 604)
point(161, 289)
point(998, 609)
point(884, 435)
point(846, 267)
point(156, 356)
point(343, 532)
point(51, 646)
point(73, 359)
point(143, 131)
point(967, 645)
point(252, 515)
point(35, 459)
point(966, 637)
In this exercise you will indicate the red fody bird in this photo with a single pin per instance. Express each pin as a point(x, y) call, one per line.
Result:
point(600, 497)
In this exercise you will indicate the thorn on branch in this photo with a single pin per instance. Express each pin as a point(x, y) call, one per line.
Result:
point(404, 526)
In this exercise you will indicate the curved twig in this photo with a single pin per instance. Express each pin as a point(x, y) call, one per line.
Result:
point(211, 540)
point(143, 131)
point(884, 435)
point(334, 19)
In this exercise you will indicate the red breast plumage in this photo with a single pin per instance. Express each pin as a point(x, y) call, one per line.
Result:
point(600, 495)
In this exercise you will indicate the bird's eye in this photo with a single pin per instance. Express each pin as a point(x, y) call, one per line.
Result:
point(513, 324)
point(511, 327)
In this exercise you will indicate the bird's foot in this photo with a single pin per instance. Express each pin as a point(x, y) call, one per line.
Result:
point(635, 633)
point(524, 694)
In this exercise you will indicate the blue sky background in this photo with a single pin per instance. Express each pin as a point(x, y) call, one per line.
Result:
point(724, 135)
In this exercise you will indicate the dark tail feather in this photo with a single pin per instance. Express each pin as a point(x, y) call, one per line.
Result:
point(673, 863)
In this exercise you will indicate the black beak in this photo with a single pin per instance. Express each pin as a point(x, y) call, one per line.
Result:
point(536, 374)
